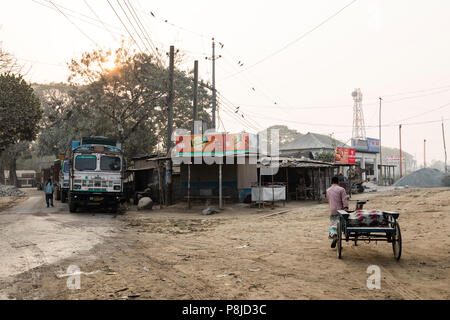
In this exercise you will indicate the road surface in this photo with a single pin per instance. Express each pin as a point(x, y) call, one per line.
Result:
point(32, 235)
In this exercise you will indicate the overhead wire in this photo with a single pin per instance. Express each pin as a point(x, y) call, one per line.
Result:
point(123, 24)
point(295, 40)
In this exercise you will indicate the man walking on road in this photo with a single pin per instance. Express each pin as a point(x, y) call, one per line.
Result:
point(49, 193)
point(337, 200)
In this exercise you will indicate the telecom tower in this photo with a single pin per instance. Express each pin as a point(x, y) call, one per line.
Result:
point(359, 129)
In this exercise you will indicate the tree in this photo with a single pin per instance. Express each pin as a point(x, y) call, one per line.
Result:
point(20, 111)
point(8, 63)
point(9, 159)
point(285, 135)
point(127, 102)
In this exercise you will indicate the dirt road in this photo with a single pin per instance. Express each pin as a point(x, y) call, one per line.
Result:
point(238, 254)
point(32, 235)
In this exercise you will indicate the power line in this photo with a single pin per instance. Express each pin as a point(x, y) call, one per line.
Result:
point(120, 19)
point(237, 109)
point(143, 30)
point(295, 40)
point(132, 25)
point(73, 23)
point(423, 113)
point(232, 113)
point(98, 18)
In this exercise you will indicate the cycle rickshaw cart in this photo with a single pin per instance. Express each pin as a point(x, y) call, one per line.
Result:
point(369, 225)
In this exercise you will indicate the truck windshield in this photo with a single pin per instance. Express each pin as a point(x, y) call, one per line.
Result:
point(110, 163)
point(85, 163)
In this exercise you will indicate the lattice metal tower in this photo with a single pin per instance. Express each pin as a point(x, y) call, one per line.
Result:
point(359, 129)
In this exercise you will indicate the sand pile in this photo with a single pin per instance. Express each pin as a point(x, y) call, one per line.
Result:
point(426, 177)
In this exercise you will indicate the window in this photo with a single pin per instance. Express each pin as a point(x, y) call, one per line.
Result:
point(85, 163)
point(110, 163)
point(65, 166)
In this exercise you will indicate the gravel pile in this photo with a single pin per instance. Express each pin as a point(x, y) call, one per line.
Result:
point(426, 177)
point(8, 191)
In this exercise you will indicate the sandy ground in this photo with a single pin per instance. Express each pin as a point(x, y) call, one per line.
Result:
point(174, 253)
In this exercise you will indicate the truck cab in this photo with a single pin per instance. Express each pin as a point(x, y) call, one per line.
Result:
point(96, 175)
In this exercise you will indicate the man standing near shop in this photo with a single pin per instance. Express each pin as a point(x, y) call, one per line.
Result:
point(337, 200)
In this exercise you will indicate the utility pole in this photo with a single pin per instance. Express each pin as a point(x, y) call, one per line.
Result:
point(381, 156)
point(424, 153)
point(214, 101)
point(401, 159)
point(445, 149)
point(170, 126)
point(195, 102)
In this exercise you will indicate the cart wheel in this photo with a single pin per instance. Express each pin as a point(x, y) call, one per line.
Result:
point(397, 242)
point(339, 240)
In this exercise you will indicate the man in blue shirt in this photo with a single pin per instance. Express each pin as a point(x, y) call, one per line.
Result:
point(49, 193)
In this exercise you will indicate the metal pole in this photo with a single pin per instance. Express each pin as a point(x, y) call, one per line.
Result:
point(401, 161)
point(424, 153)
point(381, 156)
point(213, 84)
point(445, 149)
point(195, 100)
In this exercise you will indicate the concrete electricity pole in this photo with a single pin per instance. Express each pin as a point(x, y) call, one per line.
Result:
point(401, 158)
point(170, 125)
point(214, 101)
point(195, 100)
point(424, 153)
point(381, 155)
point(445, 149)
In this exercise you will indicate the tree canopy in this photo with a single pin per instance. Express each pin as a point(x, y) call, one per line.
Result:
point(127, 102)
point(20, 110)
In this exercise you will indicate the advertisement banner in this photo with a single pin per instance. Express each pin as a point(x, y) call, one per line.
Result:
point(213, 144)
point(360, 145)
point(373, 145)
point(344, 155)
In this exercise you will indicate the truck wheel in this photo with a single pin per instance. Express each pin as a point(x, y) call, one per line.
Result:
point(63, 197)
point(115, 208)
point(72, 207)
point(58, 195)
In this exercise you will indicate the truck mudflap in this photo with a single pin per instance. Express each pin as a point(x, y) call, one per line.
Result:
point(100, 199)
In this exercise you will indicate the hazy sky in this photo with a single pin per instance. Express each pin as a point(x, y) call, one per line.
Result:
point(399, 50)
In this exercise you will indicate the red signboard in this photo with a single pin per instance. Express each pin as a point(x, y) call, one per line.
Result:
point(344, 155)
point(213, 144)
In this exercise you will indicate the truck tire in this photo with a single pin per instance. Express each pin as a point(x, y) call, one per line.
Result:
point(115, 208)
point(58, 195)
point(72, 207)
point(63, 196)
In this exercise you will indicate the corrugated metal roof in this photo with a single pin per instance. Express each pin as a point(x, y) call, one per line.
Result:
point(311, 141)
point(299, 163)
